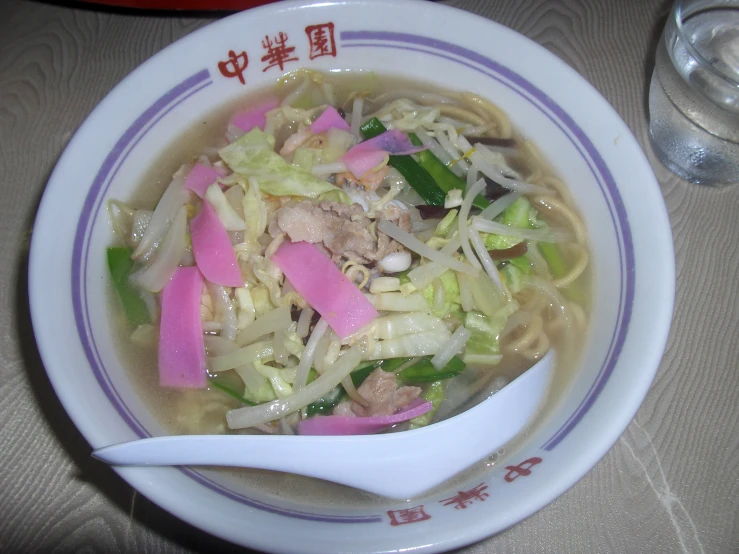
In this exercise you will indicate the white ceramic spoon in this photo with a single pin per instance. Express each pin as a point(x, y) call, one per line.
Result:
point(397, 465)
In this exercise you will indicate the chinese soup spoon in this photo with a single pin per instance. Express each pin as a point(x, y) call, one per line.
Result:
point(396, 465)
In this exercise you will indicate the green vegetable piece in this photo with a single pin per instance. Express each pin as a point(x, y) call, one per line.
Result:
point(451, 288)
point(523, 264)
point(512, 278)
point(253, 155)
point(424, 371)
point(554, 259)
point(359, 375)
point(435, 394)
point(517, 214)
point(417, 177)
point(521, 214)
point(499, 242)
point(394, 363)
point(336, 195)
point(229, 385)
point(265, 392)
point(120, 265)
point(312, 375)
point(557, 267)
point(304, 158)
point(483, 346)
point(372, 127)
point(326, 404)
point(403, 277)
point(442, 175)
point(446, 224)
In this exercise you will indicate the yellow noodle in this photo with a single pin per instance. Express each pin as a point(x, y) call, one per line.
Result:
point(481, 105)
point(567, 213)
point(350, 269)
point(576, 270)
point(578, 315)
point(533, 329)
point(558, 185)
point(461, 114)
point(539, 348)
point(292, 298)
point(353, 393)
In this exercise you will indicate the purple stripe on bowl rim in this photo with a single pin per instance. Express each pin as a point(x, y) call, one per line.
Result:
point(579, 139)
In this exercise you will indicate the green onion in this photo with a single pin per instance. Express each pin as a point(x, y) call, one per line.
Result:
point(359, 375)
point(435, 394)
point(326, 404)
point(441, 174)
point(394, 363)
point(424, 372)
point(120, 266)
point(226, 385)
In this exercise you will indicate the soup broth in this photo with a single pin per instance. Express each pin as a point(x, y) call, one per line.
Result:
point(552, 299)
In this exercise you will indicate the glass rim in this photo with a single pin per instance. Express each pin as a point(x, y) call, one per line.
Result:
point(677, 18)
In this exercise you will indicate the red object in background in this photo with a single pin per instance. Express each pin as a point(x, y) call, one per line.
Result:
point(187, 5)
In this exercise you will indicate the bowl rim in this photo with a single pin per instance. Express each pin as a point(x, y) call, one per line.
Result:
point(576, 472)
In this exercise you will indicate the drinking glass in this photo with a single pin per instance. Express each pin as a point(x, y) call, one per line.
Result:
point(694, 92)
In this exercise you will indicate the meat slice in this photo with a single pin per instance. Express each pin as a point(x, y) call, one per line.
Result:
point(343, 230)
point(381, 391)
point(344, 409)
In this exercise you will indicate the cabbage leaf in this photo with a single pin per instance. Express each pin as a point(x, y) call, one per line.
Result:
point(451, 294)
point(253, 155)
point(483, 346)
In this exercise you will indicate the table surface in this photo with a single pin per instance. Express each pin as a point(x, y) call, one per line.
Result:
point(670, 483)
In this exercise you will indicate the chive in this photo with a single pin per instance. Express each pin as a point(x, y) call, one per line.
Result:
point(419, 179)
point(223, 387)
point(120, 266)
point(442, 175)
point(326, 404)
point(424, 371)
point(372, 127)
point(359, 375)
point(394, 363)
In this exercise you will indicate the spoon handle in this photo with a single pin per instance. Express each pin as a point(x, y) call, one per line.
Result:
point(398, 465)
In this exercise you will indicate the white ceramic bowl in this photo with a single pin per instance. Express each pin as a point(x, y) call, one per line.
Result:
point(589, 146)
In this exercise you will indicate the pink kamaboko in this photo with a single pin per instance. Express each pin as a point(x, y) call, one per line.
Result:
point(200, 178)
point(348, 425)
point(181, 345)
point(212, 249)
point(255, 117)
point(329, 119)
point(326, 289)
